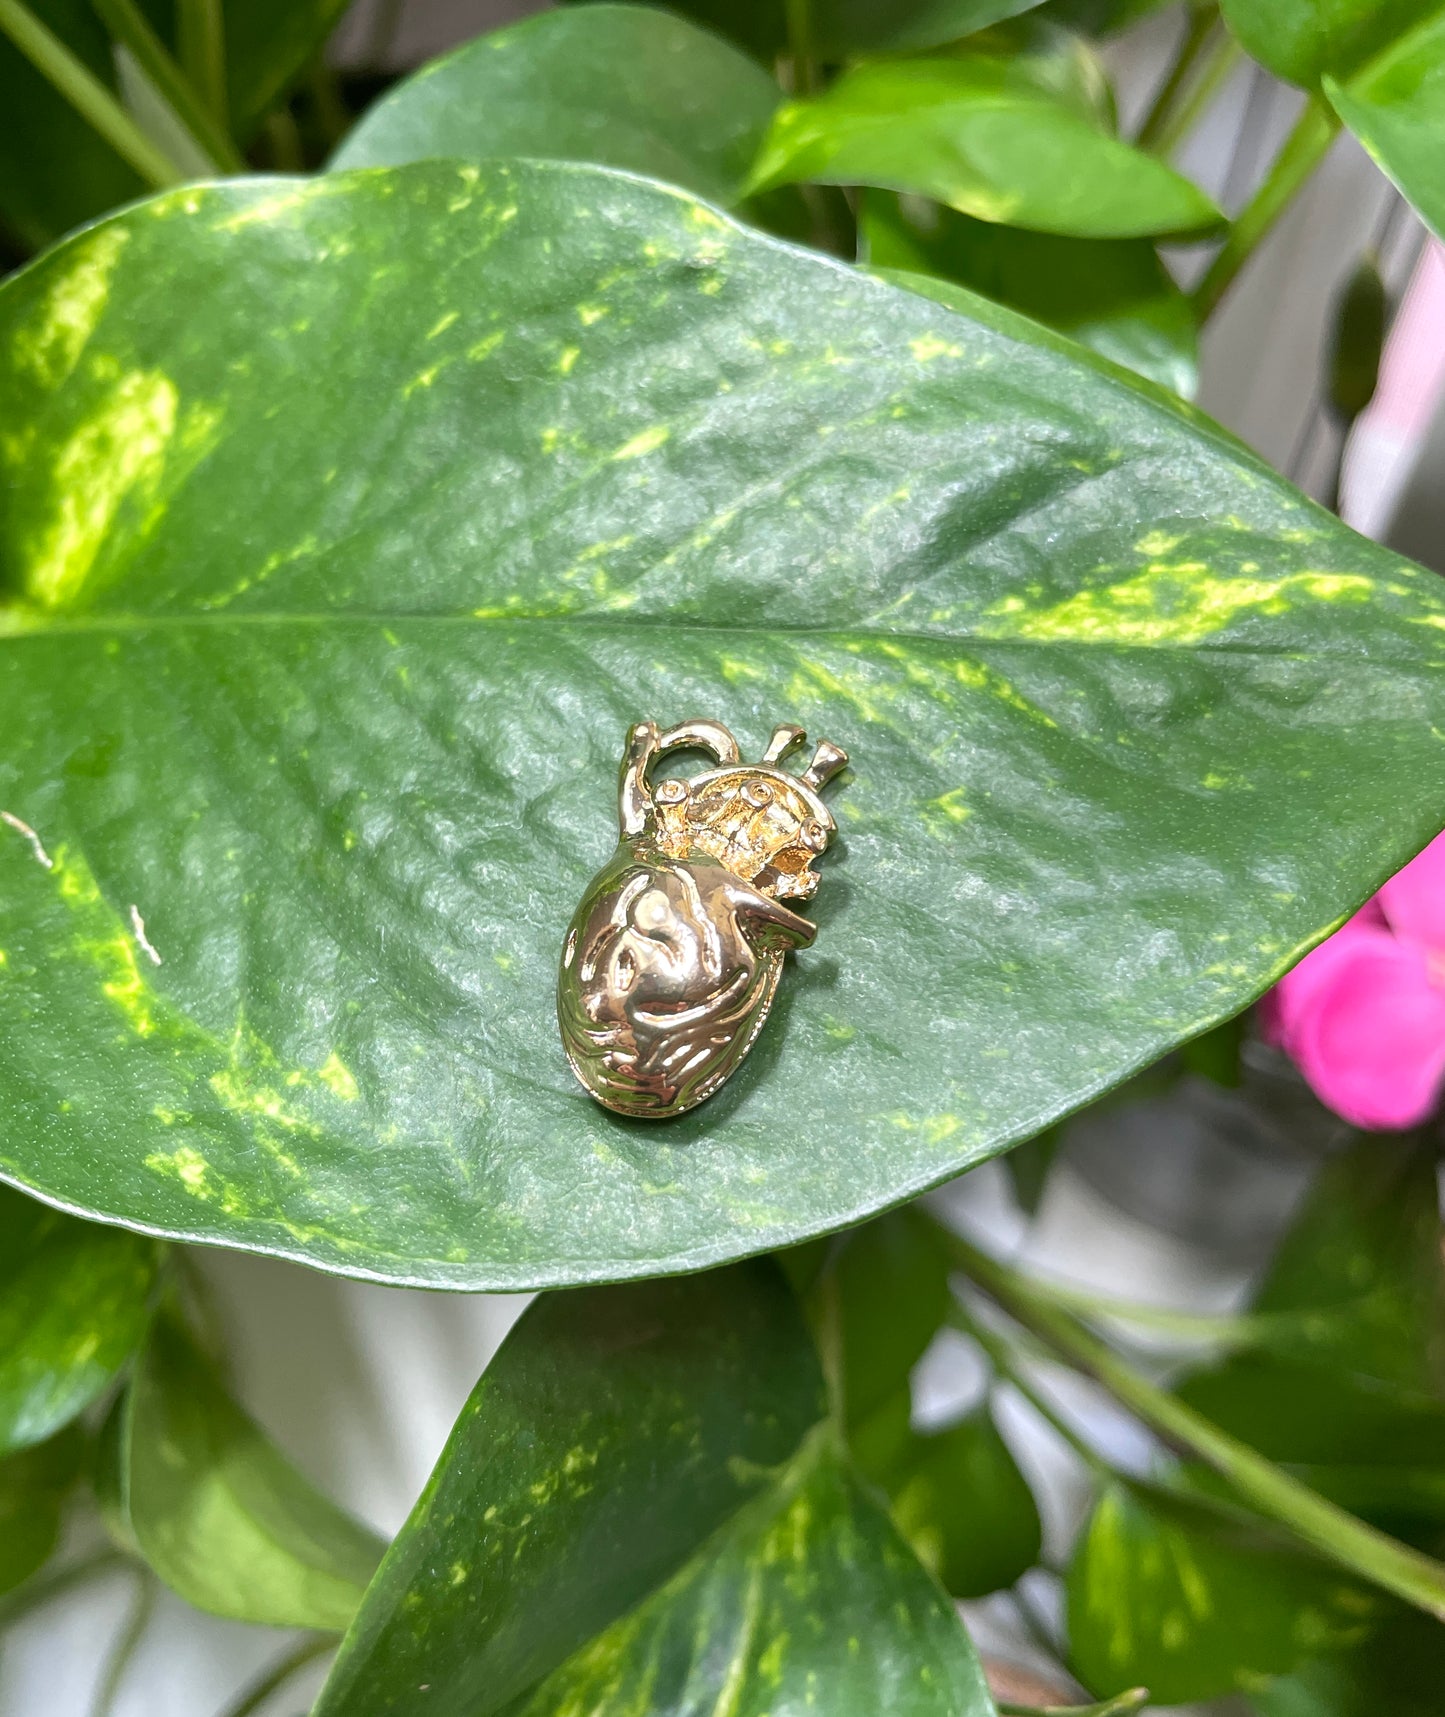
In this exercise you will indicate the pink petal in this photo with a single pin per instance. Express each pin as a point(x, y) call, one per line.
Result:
point(1370, 1034)
point(1414, 898)
point(1295, 993)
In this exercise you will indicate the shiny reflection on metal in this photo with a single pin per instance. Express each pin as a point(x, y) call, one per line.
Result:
point(673, 957)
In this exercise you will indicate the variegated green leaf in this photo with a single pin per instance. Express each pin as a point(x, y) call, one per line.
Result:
point(73, 1306)
point(1303, 41)
point(985, 133)
point(194, 1485)
point(640, 1509)
point(624, 86)
point(1112, 295)
point(348, 524)
point(1395, 105)
point(1194, 1602)
point(34, 1485)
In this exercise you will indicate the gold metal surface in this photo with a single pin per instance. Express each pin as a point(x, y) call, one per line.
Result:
point(673, 957)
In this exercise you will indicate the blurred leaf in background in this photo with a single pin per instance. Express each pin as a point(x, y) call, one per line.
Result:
point(643, 1505)
point(1113, 295)
point(74, 1302)
point(217, 1510)
point(34, 1485)
point(625, 86)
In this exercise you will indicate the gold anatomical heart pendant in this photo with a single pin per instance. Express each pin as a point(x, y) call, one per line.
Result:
point(673, 957)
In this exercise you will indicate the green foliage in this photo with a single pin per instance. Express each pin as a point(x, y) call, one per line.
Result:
point(1195, 1601)
point(640, 1505)
point(348, 524)
point(34, 1485)
point(995, 135)
point(73, 1306)
point(1303, 41)
point(1355, 1355)
point(958, 1497)
point(54, 170)
point(838, 29)
point(889, 1293)
point(324, 721)
point(1395, 1671)
point(1396, 107)
point(215, 1508)
point(1112, 295)
point(623, 86)
point(1349, 1388)
point(1358, 341)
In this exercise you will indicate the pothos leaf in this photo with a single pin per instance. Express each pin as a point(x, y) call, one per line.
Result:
point(624, 86)
point(1302, 41)
point(958, 1497)
point(1355, 1367)
point(839, 29)
point(73, 1305)
point(33, 1487)
point(1178, 1596)
point(1113, 295)
point(888, 1289)
point(1396, 107)
point(983, 134)
point(217, 1510)
point(1396, 1670)
point(640, 1504)
point(304, 794)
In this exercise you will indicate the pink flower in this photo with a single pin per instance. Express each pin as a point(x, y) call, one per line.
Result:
point(1363, 1016)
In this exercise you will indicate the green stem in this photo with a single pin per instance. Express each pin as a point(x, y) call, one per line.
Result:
point(55, 1582)
point(1303, 151)
point(1243, 1331)
point(1339, 1536)
point(800, 49)
point(1118, 1706)
point(283, 138)
point(829, 1331)
point(1007, 1367)
point(1215, 72)
point(201, 27)
point(87, 95)
point(124, 1650)
point(254, 1696)
point(331, 112)
point(126, 22)
point(1201, 27)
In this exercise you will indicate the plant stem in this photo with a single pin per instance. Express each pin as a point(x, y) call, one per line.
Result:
point(87, 95)
point(1238, 1331)
point(253, 1696)
point(201, 27)
point(1214, 73)
point(127, 1641)
point(1303, 151)
point(1007, 1367)
point(57, 1581)
point(800, 49)
point(1336, 1535)
point(283, 137)
point(1120, 1704)
point(1202, 25)
point(126, 22)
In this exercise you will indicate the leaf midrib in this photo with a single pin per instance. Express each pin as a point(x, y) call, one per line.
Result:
point(50, 628)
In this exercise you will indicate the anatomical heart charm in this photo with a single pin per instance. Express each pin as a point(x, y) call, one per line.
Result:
point(673, 957)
